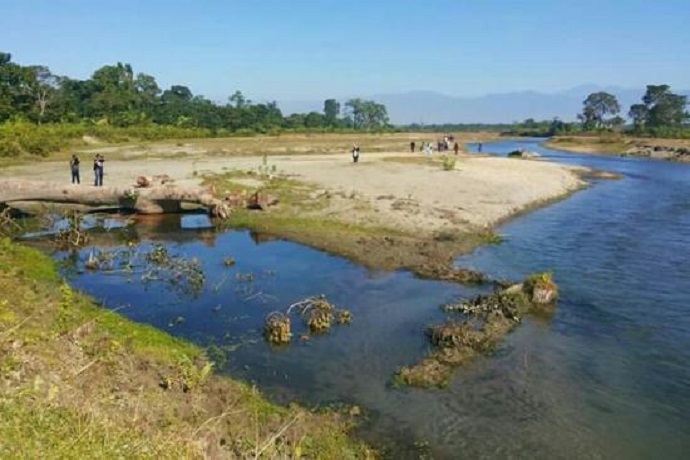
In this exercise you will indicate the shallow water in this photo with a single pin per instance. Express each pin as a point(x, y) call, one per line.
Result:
point(606, 377)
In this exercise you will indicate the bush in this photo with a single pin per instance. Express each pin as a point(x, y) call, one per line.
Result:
point(9, 148)
point(448, 163)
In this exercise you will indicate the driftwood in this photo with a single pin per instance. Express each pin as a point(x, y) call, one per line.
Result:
point(154, 200)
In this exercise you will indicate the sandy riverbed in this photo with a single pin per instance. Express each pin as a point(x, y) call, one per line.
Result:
point(409, 196)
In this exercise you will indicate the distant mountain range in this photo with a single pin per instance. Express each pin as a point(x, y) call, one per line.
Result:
point(429, 107)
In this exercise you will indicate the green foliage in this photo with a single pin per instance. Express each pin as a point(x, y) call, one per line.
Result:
point(448, 162)
point(117, 98)
point(661, 113)
point(596, 107)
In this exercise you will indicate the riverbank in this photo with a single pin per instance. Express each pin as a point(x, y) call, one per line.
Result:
point(391, 210)
point(618, 145)
point(80, 381)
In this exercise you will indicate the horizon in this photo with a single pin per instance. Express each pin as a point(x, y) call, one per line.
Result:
point(318, 50)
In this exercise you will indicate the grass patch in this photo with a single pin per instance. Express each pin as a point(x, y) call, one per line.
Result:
point(591, 144)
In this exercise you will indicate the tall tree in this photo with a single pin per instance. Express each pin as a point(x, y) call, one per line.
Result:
point(43, 86)
point(664, 108)
point(366, 114)
point(15, 88)
point(595, 109)
point(331, 110)
point(638, 113)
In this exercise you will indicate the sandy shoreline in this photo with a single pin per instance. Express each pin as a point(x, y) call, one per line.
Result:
point(480, 192)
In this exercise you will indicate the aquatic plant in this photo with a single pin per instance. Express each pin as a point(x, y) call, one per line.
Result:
point(541, 288)
point(277, 328)
point(9, 227)
point(74, 236)
point(318, 313)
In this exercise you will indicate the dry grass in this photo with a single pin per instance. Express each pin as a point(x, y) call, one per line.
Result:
point(287, 144)
point(79, 381)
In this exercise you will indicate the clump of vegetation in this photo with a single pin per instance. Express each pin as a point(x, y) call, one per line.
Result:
point(448, 162)
point(73, 236)
point(488, 319)
point(541, 288)
point(155, 265)
point(9, 227)
point(229, 261)
point(491, 237)
point(265, 169)
point(277, 328)
point(344, 317)
point(318, 313)
point(184, 274)
point(444, 272)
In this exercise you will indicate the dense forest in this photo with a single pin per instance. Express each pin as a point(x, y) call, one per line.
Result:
point(118, 104)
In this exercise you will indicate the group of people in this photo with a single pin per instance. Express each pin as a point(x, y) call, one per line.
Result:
point(441, 146)
point(98, 163)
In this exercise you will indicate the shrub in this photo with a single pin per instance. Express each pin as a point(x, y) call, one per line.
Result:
point(448, 162)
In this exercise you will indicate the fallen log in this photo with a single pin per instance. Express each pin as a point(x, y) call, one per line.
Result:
point(154, 200)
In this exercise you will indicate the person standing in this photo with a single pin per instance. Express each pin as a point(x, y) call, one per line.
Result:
point(479, 148)
point(456, 148)
point(412, 146)
point(74, 168)
point(95, 170)
point(101, 161)
point(355, 153)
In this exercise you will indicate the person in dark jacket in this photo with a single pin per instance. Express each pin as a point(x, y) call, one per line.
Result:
point(98, 170)
point(74, 168)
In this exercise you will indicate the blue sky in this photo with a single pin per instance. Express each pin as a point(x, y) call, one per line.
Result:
point(313, 49)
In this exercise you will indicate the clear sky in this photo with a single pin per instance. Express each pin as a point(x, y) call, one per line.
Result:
point(313, 49)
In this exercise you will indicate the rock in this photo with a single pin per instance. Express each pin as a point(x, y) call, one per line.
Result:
point(514, 289)
point(544, 295)
point(143, 181)
point(261, 201)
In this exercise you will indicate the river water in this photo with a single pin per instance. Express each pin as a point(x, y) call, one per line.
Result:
point(608, 376)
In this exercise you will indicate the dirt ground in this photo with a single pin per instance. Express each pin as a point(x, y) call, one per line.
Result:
point(388, 189)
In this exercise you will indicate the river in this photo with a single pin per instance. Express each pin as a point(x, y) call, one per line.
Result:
point(608, 376)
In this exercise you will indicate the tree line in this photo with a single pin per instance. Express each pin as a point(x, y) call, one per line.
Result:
point(661, 112)
point(117, 96)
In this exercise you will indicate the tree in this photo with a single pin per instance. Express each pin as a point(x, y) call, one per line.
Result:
point(596, 107)
point(366, 114)
point(114, 91)
point(663, 108)
point(239, 100)
point(331, 110)
point(15, 88)
point(638, 113)
point(43, 85)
